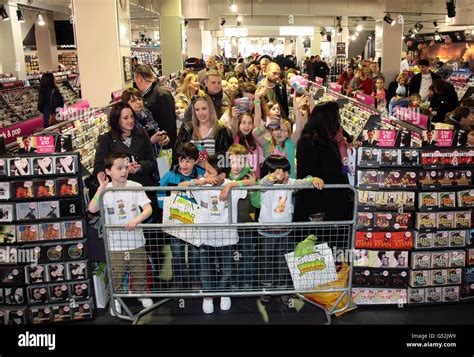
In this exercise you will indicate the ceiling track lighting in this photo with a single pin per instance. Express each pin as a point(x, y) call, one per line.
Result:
point(451, 8)
point(4, 13)
point(41, 21)
point(19, 15)
point(435, 24)
point(239, 18)
point(437, 36)
point(222, 22)
point(418, 26)
point(339, 29)
point(328, 37)
point(389, 20)
point(233, 7)
point(359, 27)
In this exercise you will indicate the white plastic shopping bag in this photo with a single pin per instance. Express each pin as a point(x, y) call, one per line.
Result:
point(311, 267)
point(181, 211)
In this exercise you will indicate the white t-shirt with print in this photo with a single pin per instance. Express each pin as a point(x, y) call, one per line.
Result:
point(277, 205)
point(120, 208)
point(218, 213)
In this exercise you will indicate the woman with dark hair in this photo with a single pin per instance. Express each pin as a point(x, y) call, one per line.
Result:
point(322, 152)
point(460, 118)
point(49, 98)
point(125, 137)
point(444, 100)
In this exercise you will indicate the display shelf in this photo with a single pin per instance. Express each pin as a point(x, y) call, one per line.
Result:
point(23, 101)
point(31, 62)
point(58, 286)
point(68, 59)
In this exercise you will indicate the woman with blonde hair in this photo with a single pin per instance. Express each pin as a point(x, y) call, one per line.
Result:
point(189, 88)
point(204, 130)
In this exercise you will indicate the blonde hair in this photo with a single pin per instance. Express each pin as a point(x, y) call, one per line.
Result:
point(237, 149)
point(184, 87)
point(179, 100)
point(415, 96)
point(288, 127)
point(212, 117)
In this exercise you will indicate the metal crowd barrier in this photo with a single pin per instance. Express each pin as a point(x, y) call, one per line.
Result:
point(256, 265)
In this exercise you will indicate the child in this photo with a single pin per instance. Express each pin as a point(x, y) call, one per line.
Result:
point(242, 175)
point(355, 83)
point(218, 243)
point(282, 141)
point(127, 249)
point(180, 107)
point(277, 207)
point(380, 94)
point(186, 170)
point(415, 101)
point(243, 136)
point(399, 100)
point(470, 136)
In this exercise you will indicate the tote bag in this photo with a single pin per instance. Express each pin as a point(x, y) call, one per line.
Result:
point(181, 211)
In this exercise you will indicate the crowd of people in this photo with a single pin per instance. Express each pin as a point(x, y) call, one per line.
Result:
point(269, 134)
point(425, 91)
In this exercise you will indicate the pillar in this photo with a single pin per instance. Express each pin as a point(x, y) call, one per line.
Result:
point(215, 50)
point(234, 46)
point(12, 57)
point(287, 46)
point(170, 37)
point(194, 39)
point(388, 40)
point(100, 62)
point(316, 43)
point(46, 44)
point(299, 48)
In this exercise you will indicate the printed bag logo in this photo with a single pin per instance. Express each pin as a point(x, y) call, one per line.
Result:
point(311, 262)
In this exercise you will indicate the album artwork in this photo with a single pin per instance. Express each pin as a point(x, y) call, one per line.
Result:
point(45, 188)
point(365, 220)
point(453, 276)
point(82, 311)
point(427, 178)
point(463, 177)
point(43, 165)
point(68, 187)
point(36, 274)
point(409, 157)
point(54, 253)
point(4, 190)
point(17, 317)
point(457, 259)
point(61, 313)
point(441, 239)
point(6, 213)
point(450, 293)
point(445, 220)
point(28, 233)
point(57, 272)
point(390, 157)
point(59, 292)
point(439, 260)
point(38, 295)
point(80, 291)
point(425, 220)
point(72, 229)
point(23, 189)
point(369, 156)
point(41, 315)
point(447, 199)
point(27, 211)
point(466, 198)
point(48, 209)
point(419, 278)
point(416, 296)
point(427, 199)
point(50, 231)
point(10, 276)
point(76, 251)
point(7, 234)
point(65, 164)
point(457, 238)
point(368, 178)
point(438, 277)
point(420, 260)
point(433, 295)
point(19, 166)
point(423, 240)
point(462, 219)
point(14, 296)
point(77, 270)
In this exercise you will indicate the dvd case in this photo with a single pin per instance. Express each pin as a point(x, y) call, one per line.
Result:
point(445, 220)
point(45, 188)
point(27, 211)
point(447, 199)
point(4, 191)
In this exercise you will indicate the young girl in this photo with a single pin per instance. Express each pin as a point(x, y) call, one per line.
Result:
point(180, 107)
point(380, 94)
point(242, 133)
point(355, 83)
point(415, 101)
point(282, 141)
point(470, 136)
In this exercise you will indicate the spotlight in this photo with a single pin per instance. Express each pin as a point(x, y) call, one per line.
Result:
point(41, 21)
point(435, 24)
point(328, 37)
point(418, 26)
point(411, 33)
point(353, 37)
point(451, 7)
point(458, 36)
point(437, 36)
point(222, 22)
point(359, 27)
point(233, 7)
point(339, 29)
point(389, 20)
point(185, 22)
point(239, 18)
point(370, 37)
point(357, 34)
point(4, 13)
point(19, 15)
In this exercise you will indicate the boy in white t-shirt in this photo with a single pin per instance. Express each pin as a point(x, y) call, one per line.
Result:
point(276, 206)
point(127, 248)
point(218, 243)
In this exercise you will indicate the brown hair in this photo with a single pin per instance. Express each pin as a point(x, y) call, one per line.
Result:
point(237, 149)
point(131, 93)
point(212, 117)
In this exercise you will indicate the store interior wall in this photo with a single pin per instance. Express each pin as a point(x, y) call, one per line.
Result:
point(357, 47)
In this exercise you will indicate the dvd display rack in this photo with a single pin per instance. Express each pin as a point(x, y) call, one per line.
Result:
point(84, 133)
point(415, 216)
point(31, 63)
point(68, 59)
point(45, 275)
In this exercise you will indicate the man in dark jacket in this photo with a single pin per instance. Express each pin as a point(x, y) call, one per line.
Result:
point(421, 82)
point(321, 69)
point(157, 100)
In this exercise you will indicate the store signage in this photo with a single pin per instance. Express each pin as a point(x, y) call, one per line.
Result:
point(296, 31)
point(117, 95)
point(14, 84)
point(236, 31)
point(319, 81)
point(341, 49)
point(336, 87)
point(411, 116)
point(387, 138)
point(365, 99)
point(26, 128)
point(444, 138)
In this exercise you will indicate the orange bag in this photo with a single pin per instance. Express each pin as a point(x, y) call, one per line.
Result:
point(329, 299)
